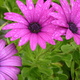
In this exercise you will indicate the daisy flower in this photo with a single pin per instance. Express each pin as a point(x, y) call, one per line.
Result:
point(8, 71)
point(68, 18)
point(35, 26)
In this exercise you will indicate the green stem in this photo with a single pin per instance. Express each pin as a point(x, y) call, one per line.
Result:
point(72, 70)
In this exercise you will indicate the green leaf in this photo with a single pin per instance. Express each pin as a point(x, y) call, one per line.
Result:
point(76, 56)
point(72, 70)
point(57, 1)
point(77, 72)
point(74, 45)
point(45, 68)
point(56, 78)
point(56, 58)
point(1, 2)
point(62, 77)
point(67, 48)
point(20, 77)
point(67, 58)
point(34, 74)
point(25, 72)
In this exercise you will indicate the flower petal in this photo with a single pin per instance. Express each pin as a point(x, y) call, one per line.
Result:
point(75, 10)
point(77, 18)
point(77, 39)
point(46, 38)
point(60, 23)
point(58, 33)
point(78, 25)
point(15, 17)
point(33, 41)
point(58, 8)
point(14, 26)
point(57, 16)
point(46, 4)
point(72, 3)
point(2, 44)
point(19, 34)
point(24, 10)
point(9, 72)
point(15, 69)
point(49, 29)
point(11, 33)
point(30, 4)
point(12, 61)
point(69, 34)
point(6, 76)
point(24, 39)
point(66, 8)
point(41, 42)
point(1, 77)
point(38, 10)
point(8, 51)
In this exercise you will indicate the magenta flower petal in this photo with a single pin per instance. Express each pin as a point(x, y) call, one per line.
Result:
point(77, 39)
point(24, 10)
point(19, 34)
point(59, 23)
point(12, 61)
point(8, 51)
point(11, 33)
point(78, 25)
point(66, 8)
point(24, 39)
point(36, 22)
point(57, 15)
point(75, 10)
point(30, 4)
point(72, 3)
point(8, 71)
point(1, 77)
point(44, 17)
point(69, 34)
point(58, 8)
point(15, 17)
point(2, 44)
point(47, 4)
point(7, 77)
point(14, 26)
point(77, 18)
point(41, 42)
point(49, 29)
point(47, 38)
point(58, 33)
point(15, 69)
point(33, 41)
point(38, 10)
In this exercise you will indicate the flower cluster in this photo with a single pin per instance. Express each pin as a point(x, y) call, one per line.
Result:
point(67, 18)
point(44, 22)
point(8, 71)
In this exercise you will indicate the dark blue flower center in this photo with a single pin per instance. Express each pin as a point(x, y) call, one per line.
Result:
point(73, 27)
point(45, 0)
point(34, 27)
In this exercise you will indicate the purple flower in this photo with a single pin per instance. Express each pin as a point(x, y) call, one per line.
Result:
point(35, 26)
point(68, 19)
point(8, 71)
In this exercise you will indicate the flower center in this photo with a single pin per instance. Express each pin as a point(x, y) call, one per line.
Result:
point(34, 27)
point(73, 27)
point(44, 0)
